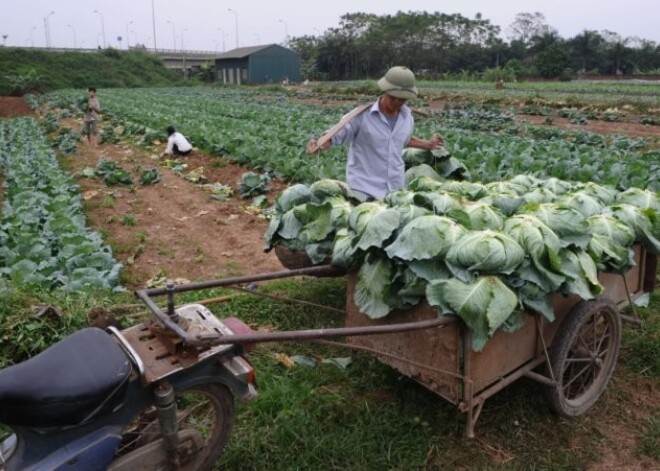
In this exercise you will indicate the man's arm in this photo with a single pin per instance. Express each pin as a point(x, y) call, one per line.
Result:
point(427, 144)
point(95, 106)
point(170, 147)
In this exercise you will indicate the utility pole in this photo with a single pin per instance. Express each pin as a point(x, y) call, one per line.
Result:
point(236, 23)
point(153, 21)
point(75, 45)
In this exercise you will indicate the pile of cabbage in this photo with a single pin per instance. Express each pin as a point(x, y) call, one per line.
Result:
point(484, 252)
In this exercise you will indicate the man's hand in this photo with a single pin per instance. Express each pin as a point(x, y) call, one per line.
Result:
point(313, 146)
point(435, 142)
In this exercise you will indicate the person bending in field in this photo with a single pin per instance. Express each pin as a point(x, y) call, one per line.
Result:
point(177, 144)
point(92, 116)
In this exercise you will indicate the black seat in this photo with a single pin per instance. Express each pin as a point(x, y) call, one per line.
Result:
point(82, 376)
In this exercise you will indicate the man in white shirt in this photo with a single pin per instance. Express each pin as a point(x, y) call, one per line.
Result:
point(376, 138)
point(177, 144)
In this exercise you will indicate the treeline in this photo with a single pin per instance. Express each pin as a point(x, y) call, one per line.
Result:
point(34, 70)
point(439, 44)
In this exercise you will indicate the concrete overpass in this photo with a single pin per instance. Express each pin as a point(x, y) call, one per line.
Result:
point(188, 61)
point(183, 61)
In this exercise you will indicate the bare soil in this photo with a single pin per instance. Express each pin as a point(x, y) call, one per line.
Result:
point(598, 127)
point(12, 106)
point(174, 227)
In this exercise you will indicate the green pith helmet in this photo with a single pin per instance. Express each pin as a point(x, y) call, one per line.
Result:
point(399, 82)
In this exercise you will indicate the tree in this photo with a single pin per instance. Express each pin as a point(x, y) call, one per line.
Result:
point(552, 61)
point(617, 49)
point(528, 25)
point(585, 47)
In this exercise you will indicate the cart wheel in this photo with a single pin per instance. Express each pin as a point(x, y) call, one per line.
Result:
point(583, 356)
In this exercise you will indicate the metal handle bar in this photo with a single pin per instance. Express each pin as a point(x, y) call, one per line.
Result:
point(323, 270)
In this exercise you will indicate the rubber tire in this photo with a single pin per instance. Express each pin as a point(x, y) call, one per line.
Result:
point(222, 402)
point(566, 338)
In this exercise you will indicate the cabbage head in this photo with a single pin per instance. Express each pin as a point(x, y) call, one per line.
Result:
point(610, 244)
point(373, 223)
point(643, 199)
point(478, 216)
point(323, 189)
point(587, 204)
point(484, 252)
point(568, 223)
point(293, 196)
point(425, 237)
point(419, 171)
point(484, 304)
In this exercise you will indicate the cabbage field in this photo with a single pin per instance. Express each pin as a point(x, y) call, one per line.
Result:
point(44, 240)
point(267, 130)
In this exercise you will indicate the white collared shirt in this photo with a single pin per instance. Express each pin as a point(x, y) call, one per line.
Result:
point(375, 163)
point(180, 141)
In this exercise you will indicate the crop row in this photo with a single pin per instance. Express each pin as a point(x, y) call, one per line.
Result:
point(44, 239)
point(268, 132)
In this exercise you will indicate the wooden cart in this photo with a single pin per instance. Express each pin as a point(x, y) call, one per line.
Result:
point(581, 345)
point(575, 355)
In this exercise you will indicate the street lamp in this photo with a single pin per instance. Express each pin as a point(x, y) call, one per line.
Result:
point(153, 21)
point(75, 45)
point(47, 28)
point(236, 21)
point(32, 35)
point(183, 55)
point(173, 34)
point(286, 32)
point(222, 32)
point(102, 26)
point(128, 38)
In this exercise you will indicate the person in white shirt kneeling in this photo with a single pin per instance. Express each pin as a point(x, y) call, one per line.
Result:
point(177, 144)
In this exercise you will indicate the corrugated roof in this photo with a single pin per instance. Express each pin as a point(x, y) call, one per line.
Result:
point(242, 52)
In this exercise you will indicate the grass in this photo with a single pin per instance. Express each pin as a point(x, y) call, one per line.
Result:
point(368, 416)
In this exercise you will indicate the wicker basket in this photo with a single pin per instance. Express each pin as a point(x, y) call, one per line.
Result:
point(292, 259)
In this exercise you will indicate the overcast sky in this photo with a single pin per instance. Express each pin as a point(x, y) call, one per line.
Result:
point(209, 25)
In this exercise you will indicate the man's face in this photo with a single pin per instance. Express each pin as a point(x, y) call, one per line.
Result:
point(91, 93)
point(392, 104)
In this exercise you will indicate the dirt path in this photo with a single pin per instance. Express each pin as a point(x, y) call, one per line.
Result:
point(174, 227)
point(598, 127)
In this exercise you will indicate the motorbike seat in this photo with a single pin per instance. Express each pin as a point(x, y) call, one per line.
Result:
point(82, 376)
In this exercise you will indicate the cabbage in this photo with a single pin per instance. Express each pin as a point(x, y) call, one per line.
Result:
point(505, 187)
point(484, 252)
point(539, 195)
point(644, 222)
point(643, 199)
point(374, 281)
point(478, 216)
point(373, 223)
point(399, 197)
point(410, 212)
point(604, 194)
point(526, 181)
point(439, 201)
point(424, 183)
point(424, 238)
point(469, 190)
point(610, 244)
point(484, 304)
point(556, 186)
point(419, 171)
point(587, 204)
point(293, 196)
point(323, 189)
point(568, 223)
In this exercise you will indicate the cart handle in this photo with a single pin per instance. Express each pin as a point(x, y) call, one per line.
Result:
point(323, 270)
